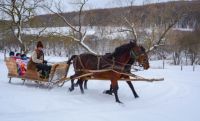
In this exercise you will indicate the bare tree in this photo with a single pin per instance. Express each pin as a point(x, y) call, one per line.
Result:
point(164, 22)
point(151, 25)
point(78, 32)
point(19, 12)
point(129, 22)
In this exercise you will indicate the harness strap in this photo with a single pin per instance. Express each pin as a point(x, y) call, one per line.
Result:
point(112, 66)
point(79, 59)
point(5, 55)
point(98, 62)
point(113, 63)
point(122, 68)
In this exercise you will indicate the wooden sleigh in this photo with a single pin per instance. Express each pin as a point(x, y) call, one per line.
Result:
point(57, 74)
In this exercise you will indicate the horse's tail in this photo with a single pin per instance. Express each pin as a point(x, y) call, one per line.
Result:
point(72, 57)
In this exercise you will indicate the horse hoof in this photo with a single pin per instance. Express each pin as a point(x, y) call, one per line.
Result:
point(107, 92)
point(119, 102)
point(71, 89)
point(136, 96)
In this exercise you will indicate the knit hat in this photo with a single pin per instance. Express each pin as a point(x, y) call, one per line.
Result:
point(39, 44)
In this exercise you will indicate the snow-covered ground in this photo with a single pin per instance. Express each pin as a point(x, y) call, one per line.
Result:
point(174, 99)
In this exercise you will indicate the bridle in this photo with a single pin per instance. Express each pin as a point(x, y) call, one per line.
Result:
point(135, 56)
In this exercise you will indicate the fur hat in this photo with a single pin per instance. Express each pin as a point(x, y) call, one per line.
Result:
point(39, 44)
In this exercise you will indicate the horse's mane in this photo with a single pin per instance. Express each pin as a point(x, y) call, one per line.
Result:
point(123, 48)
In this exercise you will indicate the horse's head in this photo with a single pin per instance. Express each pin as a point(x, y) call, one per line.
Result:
point(139, 54)
point(125, 52)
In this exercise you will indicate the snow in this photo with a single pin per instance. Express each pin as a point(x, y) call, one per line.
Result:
point(109, 32)
point(184, 29)
point(174, 99)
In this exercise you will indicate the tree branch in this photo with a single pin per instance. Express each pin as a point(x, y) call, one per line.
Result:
point(161, 37)
point(76, 31)
point(132, 26)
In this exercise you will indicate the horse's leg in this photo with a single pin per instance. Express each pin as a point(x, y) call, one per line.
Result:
point(80, 82)
point(85, 84)
point(72, 85)
point(72, 81)
point(115, 89)
point(77, 83)
point(110, 91)
point(132, 88)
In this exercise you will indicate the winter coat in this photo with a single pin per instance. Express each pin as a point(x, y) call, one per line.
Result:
point(37, 57)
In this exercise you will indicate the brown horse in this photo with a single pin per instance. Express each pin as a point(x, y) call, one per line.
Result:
point(116, 62)
point(110, 91)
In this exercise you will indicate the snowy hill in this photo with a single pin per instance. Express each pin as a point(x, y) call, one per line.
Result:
point(174, 99)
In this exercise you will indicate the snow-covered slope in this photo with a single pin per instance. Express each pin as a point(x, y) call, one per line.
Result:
point(175, 99)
